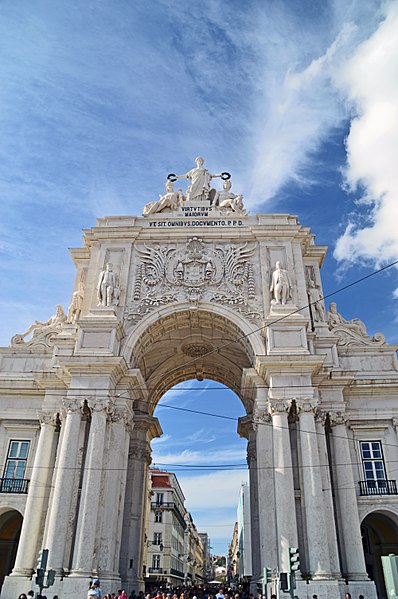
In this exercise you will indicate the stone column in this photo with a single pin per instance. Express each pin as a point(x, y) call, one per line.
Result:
point(87, 529)
point(114, 485)
point(34, 514)
point(320, 419)
point(284, 487)
point(58, 522)
point(314, 508)
point(266, 490)
point(353, 565)
point(145, 428)
point(254, 510)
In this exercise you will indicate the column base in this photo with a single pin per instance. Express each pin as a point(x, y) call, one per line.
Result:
point(68, 587)
point(24, 572)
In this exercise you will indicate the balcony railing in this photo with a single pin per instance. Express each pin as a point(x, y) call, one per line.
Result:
point(170, 505)
point(14, 485)
point(176, 572)
point(378, 487)
point(155, 570)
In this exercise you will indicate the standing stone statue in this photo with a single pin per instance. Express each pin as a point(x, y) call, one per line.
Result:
point(107, 292)
point(316, 305)
point(200, 181)
point(280, 285)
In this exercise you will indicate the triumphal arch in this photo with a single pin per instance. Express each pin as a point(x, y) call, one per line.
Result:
point(197, 287)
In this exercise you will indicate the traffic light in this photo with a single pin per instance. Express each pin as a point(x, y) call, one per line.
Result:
point(294, 559)
point(267, 575)
point(284, 580)
point(40, 577)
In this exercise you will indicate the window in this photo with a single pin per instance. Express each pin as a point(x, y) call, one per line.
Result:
point(157, 538)
point(159, 498)
point(156, 562)
point(16, 459)
point(158, 516)
point(373, 466)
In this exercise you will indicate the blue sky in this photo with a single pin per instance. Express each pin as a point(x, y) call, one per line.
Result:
point(100, 99)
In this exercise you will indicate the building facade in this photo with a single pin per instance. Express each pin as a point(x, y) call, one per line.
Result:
point(196, 288)
point(174, 554)
point(244, 557)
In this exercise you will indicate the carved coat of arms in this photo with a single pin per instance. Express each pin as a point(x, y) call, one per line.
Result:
point(197, 271)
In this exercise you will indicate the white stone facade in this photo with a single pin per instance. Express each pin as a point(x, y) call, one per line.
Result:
point(174, 551)
point(191, 292)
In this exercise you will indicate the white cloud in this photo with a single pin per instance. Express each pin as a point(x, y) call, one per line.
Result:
point(188, 456)
point(370, 80)
point(212, 491)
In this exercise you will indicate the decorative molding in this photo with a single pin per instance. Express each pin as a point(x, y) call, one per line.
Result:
point(306, 406)
point(47, 418)
point(196, 350)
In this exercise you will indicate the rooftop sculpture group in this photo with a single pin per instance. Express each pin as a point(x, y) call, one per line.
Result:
point(199, 190)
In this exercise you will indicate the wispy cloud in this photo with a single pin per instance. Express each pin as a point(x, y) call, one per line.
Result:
point(206, 457)
point(370, 81)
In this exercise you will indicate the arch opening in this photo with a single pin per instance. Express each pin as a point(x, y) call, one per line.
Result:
point(379, 531)
point(10, 530)
point(208, 458)
point(194, 344)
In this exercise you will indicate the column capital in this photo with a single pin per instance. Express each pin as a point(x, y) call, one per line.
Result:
point(279, 406)
point(260, 416)
point(101, 404)
point(306, 406)
point(121, 414)
point(72, 405)
point(49, 418)
point(140, 450)
point(320, 416)
point(338, 418)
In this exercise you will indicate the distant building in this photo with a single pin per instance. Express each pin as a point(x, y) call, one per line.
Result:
point(244, 550)
point(207, 564)
point(174, 553)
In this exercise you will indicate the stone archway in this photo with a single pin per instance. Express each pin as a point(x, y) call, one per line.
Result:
point(379, 537)
point(179, 345)
point(10, 529)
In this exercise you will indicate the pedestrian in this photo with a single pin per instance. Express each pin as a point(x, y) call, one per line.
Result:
point(94, 591)
point(361, 597)
point(314, 596)
point(22, 596)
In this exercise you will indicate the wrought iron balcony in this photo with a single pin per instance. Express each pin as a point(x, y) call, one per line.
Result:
point(378, 487)
point(170, 505)
point(155, 570)
point(176, 572)
point(14, 485)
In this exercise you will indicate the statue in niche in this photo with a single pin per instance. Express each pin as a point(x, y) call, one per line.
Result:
point(76, 304)
point(39, 330)
point(281, 286)
point(315, 300)
point(336, 320)
point(200, 178)
point(228, 201)
point(107, 289)
point(168, 202)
